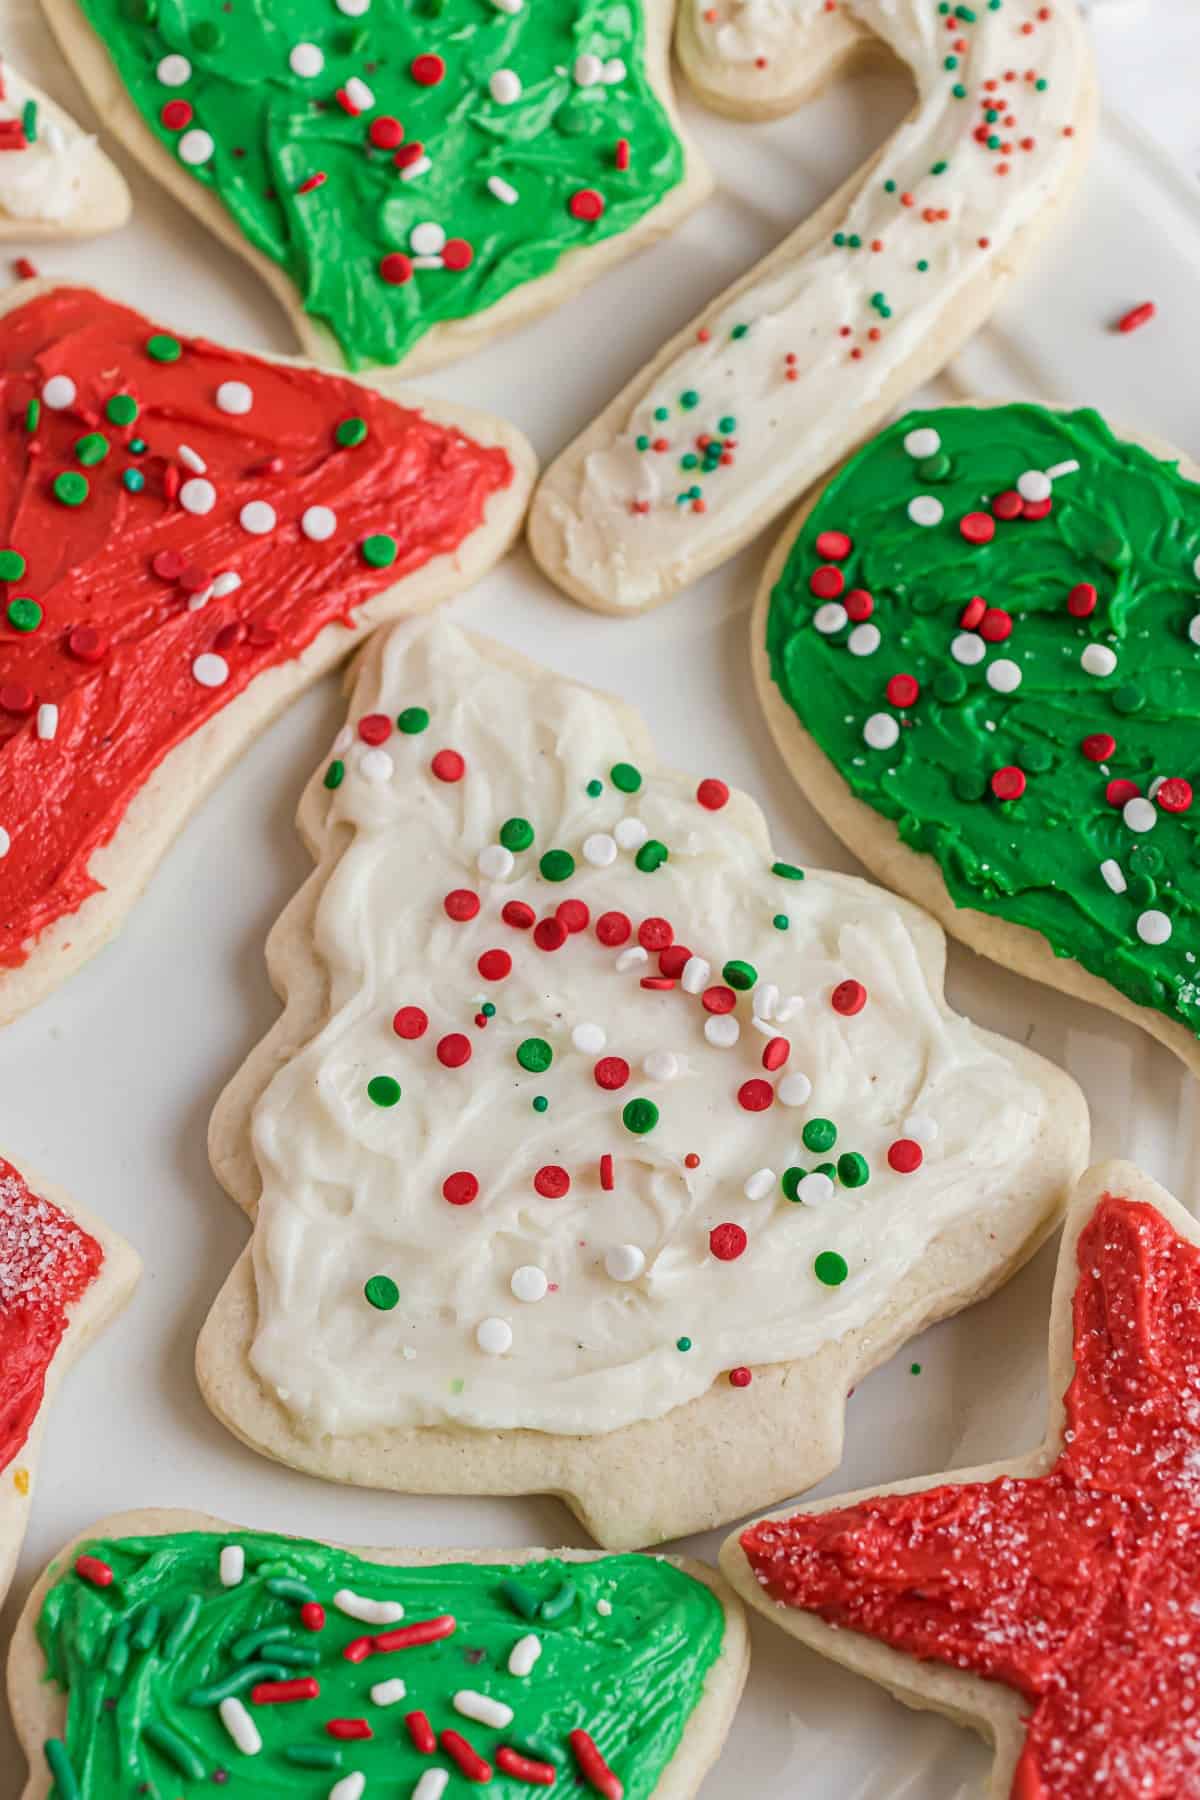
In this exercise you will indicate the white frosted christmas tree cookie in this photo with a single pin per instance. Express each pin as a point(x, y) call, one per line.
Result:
point(55, 181)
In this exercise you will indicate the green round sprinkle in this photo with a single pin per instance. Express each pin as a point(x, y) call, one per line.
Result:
point(137, 446)
point(412, 720)
point(739, 331)
point(163, 348)
point(594, 789)
point(540, 1103)
point(134, 480)
point(790, 1182)
point(781, 921)
point(727, 424)
point(516, 834)
point(12, 565)
point(740, 975)
point(788, 871)
point(535, 1055)
point(959, 91)
point(71, 488)
point(488, 1010)
point(969, 784)
point(688, 399)
point(819, 1134)
point(639, 1116)
point(1129, 699)
point(684, 1343)
point(91, 449)
point(205, 34)
point(939, 168)
point(384, 1090)
point(853, 1170)
point(381, 1292)
point(557, 865)
point(949, 685)
point(690, 461)
point(935, 468)
point(24, 614)
point(643, 442)
point(625, 777)
point(122, 409)
point(914, 1368)
point(651, 856)
point(660, 413)
point(379, 550)
point(830, 1268)
point(889, 187)
point(351, 432)
point(335, 774)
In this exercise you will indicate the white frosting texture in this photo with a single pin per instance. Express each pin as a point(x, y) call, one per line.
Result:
point(819, 333)
point(44, 179)
point(567, 1312)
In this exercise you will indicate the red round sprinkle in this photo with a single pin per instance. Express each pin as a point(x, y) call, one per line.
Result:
point(385, 132)
point(86, 644)
point(905, 1155)
point(460, 1188)
point(457, 254)
point(461, 904)
point(776, 1052)
point(1175, 794)
point(428, 70)
point(691, 1160)
point(826, 582)
point(1118, 792)
point(454, 1050)
point(494, 965)
point(1081, 601)
point(903, 690)
point(551, 1182)
point(606, 1172)
point(977, 528)
point(718, 999)
point(848, 997)
point(859, 604)
point(312, 1616)
point(755, 1095)
point(586, 204)
point(834, 546)
point(176, 114)
point(1008, 783)
point(712, 793)
point(517, 914)
point(168, 565)
point(995, 625)
point(549, 934)
point(1098, 746)
point(673, 960)
point(408, 154)
point(741, 1377)
point(193, 578)
point(727, 1242)
point(656, 934)
point(613, 928)
point(396, 268)
point(972, 613)
point(375, 728)
point(410, 1022)
point(611, 1073)
point(1037, 509)
point(572, 915)
point(1008, 505)
point(448, 765)
point(660, 984)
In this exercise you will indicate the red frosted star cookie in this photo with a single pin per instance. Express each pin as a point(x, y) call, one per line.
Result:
point(1055, 1602)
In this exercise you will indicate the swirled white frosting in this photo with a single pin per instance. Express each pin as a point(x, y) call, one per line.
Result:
point(787, 363)
point(353, 1190)
point(46, 179)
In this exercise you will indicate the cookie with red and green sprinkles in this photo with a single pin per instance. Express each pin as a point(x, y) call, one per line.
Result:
point(611, 1116)
point(986, 632)
point(410, 176)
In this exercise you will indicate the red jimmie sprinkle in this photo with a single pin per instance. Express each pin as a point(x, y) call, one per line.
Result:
point(1008, 783)
point(621, 161)
point(461, 904)
point(275, 1693)
point(834, 546)
point(469, 1761)
point(90, 1568)
point(421, 1631)
point(1098, 746)
point(826, 582)
point(606, 1172)
point(1137, 316)
point(375, 728)
point(848, 997)
point(357, 1650)
point(549, 934)
point(524, 1768)
point(348, 1729)
point(448, 765)
point(517, 914)
point(312, 1616)
point(611, 1073)
point(421, 1733)
point(460, 1188)
point(905, 1156)
point(903, 690)
point(755, 1095)
point(494, 965)
point(727, 1242)
point(317, 179)
point(612, 928)
point(551, 1182)
point(573, 915)
point(593, 1767)
point(775, 1053)
point(1175, 794)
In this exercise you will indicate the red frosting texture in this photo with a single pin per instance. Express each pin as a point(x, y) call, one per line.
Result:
point(121, 574)
point(1080, 1589)
point(47, 1263)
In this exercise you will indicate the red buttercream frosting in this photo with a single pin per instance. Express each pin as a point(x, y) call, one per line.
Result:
point(47, 1263)
point(118, 643)
point(1080, 1589)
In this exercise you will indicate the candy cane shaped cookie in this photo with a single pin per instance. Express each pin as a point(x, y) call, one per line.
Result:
point(800, 359)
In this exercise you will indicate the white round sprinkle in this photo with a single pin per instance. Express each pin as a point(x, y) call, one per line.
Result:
point(198, 497)
point(922, 442)
point(318, 523)
point(235, 397)
point(306, 60)
point(1113, 875)
point(386, 1693)
point(923, 1128)
point(864, 640)
point(376, 766)
point(1004, 675)
point(631, 958)
point(427, 239)
point(503, 190)
point(196, 147)
point(529, 1283)
point(794, 1089)
point(696, 971)
point(1098, 659)
point(198, 601)
point(505, 86)
point(483, 1709)
point(624, 1262)
point(367, 1610)
point(1194, 628)
point(815, 1189)
point(590, 1039)
point(759, 1185)
point(1140, 814)
point(227, 583)
point(410, 172)
point(968, 647)
point(240, 1726)
point(5, 842)
point(58, 392)
point(630, 834)
point(191, 459)
point(352, 9)
point(494, 1336)
point(1152, 790)
point(1034, 485)
point(830, 617)
point(523, 1655)
point(257, 517)
point(351, 1786)
point(614, 71)
point(1196, 568)
point(211, 670)
point(588, 69)
point(604, 1608)
point(881, 731)
point(1153, 927)
point(600, 850)
point(661, 1065)
point(722, 1030)
point(765, 1000)
point(174, 70)
point(359, 94)
point(232, 1565)
point(495, 862)
point(926, 509)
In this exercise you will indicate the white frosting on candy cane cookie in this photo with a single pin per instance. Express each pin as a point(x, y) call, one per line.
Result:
point(45, 161)
point(797, 362)
point(708, 1112)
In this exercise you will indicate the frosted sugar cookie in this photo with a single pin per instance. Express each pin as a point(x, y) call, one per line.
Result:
point(55, 181)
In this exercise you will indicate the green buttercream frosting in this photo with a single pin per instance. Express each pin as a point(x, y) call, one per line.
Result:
point(274, 130)
point(1063, 857)
point(146, 1661)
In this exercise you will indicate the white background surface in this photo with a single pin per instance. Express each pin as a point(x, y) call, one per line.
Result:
point(107, 1087)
